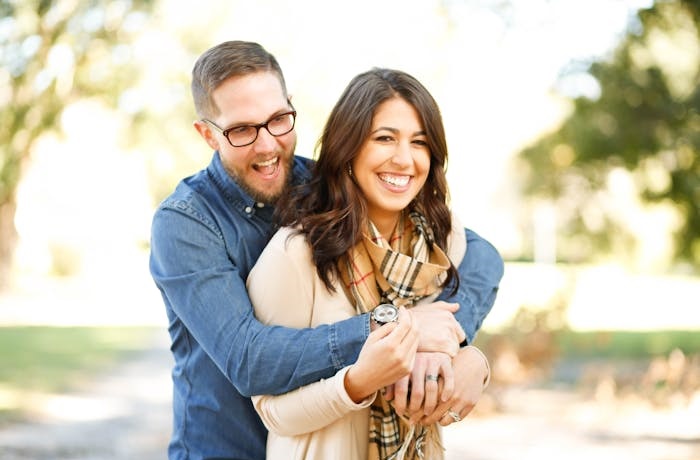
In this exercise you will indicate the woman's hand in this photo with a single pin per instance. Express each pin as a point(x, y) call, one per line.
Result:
point(387, 356)
point(417, 394)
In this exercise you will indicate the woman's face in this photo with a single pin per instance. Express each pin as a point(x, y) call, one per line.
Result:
point(393, 162)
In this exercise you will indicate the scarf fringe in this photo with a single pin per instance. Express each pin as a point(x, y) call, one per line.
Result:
point(406, 443)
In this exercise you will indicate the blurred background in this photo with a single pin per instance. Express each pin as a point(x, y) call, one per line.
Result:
point(574, 132)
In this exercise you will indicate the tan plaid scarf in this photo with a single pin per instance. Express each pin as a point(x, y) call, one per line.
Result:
point(400, 271)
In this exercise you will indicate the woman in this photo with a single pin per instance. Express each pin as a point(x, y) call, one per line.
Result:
point(371, 227)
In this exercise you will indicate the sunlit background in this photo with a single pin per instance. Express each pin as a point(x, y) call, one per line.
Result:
point(505, 74)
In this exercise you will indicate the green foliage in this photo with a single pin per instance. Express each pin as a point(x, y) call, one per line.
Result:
point(51, 54)
point(645, 120)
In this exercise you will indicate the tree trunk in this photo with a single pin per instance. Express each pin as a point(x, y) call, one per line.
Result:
point(8, 239)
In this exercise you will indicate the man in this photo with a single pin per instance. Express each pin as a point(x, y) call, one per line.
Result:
point(207, 236)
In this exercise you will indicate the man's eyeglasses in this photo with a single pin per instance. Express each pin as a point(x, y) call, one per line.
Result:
point(242, 135)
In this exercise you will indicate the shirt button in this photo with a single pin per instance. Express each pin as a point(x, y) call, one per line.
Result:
point(248, 209)
point(260, 205)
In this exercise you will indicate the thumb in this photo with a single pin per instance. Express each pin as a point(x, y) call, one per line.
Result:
point(381, 332)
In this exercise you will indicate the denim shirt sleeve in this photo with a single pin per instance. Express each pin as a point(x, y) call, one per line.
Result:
point(203, 288)
point(480, 273)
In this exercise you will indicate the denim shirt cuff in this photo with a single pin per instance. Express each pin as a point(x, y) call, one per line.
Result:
point(347, 338)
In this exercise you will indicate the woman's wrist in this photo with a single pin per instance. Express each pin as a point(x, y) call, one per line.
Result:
point(356, 390)
point(487, 378)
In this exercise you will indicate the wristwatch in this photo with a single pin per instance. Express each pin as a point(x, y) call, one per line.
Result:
point(385, 313)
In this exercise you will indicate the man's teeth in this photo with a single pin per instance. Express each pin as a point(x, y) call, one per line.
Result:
point(269, 162)
point(398, 181)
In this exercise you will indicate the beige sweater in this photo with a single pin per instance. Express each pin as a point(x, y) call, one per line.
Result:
point(318, 421)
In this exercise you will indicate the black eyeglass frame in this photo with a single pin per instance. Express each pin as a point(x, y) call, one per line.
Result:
point(225, 132)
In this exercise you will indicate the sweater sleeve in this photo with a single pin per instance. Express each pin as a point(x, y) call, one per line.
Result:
point(308, 408)
point(282, 287)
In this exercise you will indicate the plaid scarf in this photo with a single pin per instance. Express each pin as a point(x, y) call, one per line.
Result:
point(400, 271)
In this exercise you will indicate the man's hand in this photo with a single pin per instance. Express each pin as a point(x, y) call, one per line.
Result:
point(429, 367)
point(439, 330)
point(471, 372)
point(387, 355)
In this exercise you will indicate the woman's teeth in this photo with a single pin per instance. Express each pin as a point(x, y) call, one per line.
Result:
point(398, 181)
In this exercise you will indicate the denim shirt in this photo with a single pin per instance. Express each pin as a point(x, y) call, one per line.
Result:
point(205, 238)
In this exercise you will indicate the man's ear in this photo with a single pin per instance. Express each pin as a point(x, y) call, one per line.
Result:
point(205, 131)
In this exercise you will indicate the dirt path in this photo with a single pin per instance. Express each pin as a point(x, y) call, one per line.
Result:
point(557, 424)
point(122, 415)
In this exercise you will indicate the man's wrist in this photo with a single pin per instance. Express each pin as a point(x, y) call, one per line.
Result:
point(373, 326)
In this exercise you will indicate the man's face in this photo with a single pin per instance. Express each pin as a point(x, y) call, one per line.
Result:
point(263, 168)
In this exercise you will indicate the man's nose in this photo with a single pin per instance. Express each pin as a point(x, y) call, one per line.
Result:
point(265, 141)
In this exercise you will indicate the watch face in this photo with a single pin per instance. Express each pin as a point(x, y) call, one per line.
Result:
point(385, 313)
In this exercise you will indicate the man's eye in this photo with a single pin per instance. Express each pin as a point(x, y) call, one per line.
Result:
point(279, 119)
point(240, 130)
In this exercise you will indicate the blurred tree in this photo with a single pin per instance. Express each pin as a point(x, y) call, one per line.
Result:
point(51, 54)
point(643, 117)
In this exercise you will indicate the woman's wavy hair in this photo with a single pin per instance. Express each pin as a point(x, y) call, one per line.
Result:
point(331, 210)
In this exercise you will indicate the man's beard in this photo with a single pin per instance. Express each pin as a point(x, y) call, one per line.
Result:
point(262, 196)
point(267, 198)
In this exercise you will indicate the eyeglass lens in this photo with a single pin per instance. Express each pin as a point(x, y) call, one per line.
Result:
point(243, 135)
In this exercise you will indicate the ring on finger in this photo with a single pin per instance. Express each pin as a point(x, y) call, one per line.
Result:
point(431, 378)
point(455, 416)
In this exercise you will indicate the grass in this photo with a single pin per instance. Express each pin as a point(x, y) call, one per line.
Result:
point(608, 344)
point(55, 359)
point(624, 344)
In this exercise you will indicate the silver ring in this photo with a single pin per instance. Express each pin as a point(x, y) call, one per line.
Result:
point(431, 378)
point(455, 416)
